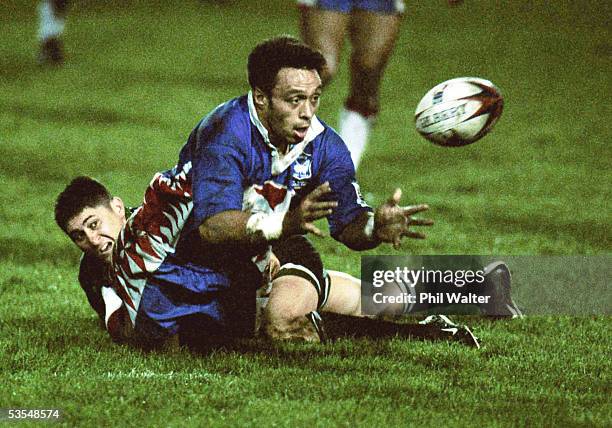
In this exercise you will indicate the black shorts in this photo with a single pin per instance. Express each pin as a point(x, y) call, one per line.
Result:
point(298, 257)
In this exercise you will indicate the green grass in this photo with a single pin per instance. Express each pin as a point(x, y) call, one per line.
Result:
point(141, 74)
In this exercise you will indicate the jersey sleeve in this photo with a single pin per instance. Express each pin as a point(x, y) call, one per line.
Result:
point(116, 318)
point(218, 170)
point(338, 169)
point(92, 275)
point(103, 298)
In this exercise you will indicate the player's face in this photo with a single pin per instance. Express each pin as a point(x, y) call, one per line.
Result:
point(288, 110)
point(95, 230)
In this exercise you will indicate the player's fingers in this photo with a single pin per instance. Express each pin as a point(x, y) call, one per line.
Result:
point(413, 209)
point(414, 235)
point(397, 242)
point(395, 198)
point(326, 205)
point(320, 191)
point(420, 222)
point(315, 215)
point(309, 227)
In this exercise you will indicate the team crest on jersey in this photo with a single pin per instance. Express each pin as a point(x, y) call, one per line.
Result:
point(302, 170)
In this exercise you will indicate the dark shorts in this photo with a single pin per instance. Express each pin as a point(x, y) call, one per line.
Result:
point(299, 257)
point(385, 7)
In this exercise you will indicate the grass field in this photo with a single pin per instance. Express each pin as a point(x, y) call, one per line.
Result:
point(139, 76)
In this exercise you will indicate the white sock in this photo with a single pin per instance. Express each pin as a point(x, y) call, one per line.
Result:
point(49, 25)
point(354, 129)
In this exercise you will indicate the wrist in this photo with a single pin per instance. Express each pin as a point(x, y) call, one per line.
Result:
point(268, 226)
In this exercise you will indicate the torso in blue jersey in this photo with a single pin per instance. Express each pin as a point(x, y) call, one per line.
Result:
point(227, 164)
point(234, 167)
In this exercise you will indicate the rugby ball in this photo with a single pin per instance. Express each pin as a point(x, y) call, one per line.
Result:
point(459, 111)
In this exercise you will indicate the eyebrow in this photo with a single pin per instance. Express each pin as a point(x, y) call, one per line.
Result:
point(74, 232)
point(294, 92)
point(87, 218)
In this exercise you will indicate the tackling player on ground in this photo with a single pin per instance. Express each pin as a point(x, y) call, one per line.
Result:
point(94, 221)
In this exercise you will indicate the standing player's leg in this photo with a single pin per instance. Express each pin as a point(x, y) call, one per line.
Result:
point(51, 23)
point(324, 30)
point(373, 36)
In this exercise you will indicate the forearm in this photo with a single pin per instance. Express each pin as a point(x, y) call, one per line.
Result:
point(243, 228)
point(359, 234)
point(225, 227)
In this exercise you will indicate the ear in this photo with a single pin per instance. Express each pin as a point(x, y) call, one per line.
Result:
point(118, 206)
point(260, 99)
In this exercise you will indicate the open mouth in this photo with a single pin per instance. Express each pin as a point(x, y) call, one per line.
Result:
point(107, 247)
point(300, 133)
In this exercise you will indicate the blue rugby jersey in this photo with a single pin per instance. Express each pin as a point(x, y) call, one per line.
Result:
point(226, 164)
point(234, 167)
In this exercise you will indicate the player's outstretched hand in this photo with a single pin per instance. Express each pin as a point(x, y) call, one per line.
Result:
point(392, 222)
point(314, 206)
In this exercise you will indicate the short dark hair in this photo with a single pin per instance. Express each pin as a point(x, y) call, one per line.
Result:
point(268, 57)
point(82, 192)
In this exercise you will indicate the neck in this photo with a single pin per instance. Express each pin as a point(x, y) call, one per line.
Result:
point(281, 146)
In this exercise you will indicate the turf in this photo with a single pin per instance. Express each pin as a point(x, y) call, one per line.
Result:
point(140, 75)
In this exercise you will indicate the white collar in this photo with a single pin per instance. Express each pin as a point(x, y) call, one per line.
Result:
point(281, 162)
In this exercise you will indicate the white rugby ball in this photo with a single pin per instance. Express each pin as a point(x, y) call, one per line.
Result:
point(459, 111)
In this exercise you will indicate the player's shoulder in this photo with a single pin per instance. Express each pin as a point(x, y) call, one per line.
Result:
point(229, 118)
point(329, 143)
point(327, 134)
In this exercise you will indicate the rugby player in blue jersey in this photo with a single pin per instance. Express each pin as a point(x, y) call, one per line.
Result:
point(253, 177)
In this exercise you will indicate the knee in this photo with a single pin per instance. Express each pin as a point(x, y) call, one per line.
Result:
point(367, 64)
point(282, 314)
point(284, 317)
point(290, 327)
